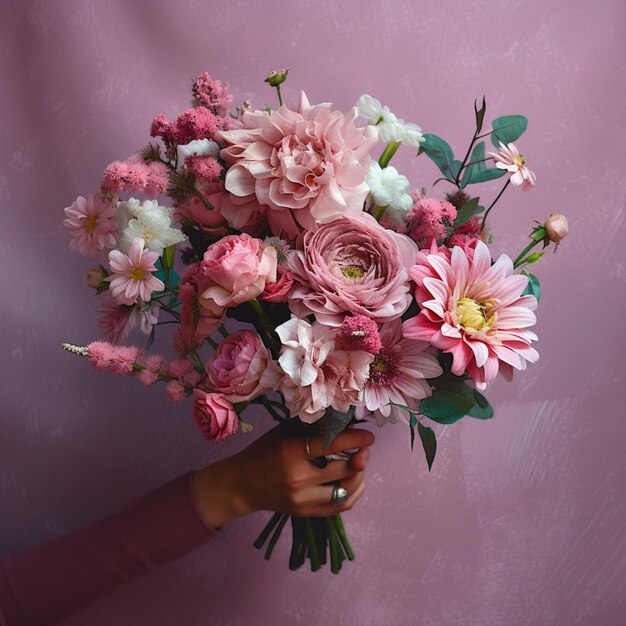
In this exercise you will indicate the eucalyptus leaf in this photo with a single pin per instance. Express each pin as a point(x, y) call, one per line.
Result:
point(482, 409)
point(533, 287)
point(334, 423)
point(466, 212)
point(429, 442)
point(508, 128)
point(446, 407)
point(477, 163)
point(490, 173)
point(440, 152)
point(412, 424)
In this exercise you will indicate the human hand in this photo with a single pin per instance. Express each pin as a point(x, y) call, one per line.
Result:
point(273, 473)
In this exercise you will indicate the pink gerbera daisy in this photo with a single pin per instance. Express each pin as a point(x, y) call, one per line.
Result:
point(131, 274)
point(91, 222)
point(397, 375)
point(508, 158)
point(475, 311)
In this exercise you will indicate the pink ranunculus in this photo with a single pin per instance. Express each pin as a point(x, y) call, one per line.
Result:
point(237, 268)
point(214, 415)
point(303, 167)
point(475, 311)
point(280, 290)
point(352, 266)
point(316, 375)
point(236, 368)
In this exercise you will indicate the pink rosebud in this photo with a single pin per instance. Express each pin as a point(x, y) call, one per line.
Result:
point(237, 366)
point(556, 227)
point(237, 269)
point(280, 290)
point(96, 278)
point(214, 415)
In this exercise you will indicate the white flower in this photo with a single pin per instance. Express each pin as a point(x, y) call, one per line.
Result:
point(388, 187)
point(199, 147)
point(390, 127)
point(147, 221)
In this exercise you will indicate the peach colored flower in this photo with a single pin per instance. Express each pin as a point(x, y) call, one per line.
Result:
point(508, 158)
point(304, 167)
point(475, 311)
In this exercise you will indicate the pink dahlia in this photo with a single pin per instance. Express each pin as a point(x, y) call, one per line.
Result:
point(475, 311)
point(132, 274)
point(397, 374)
point(305, 167)
point(352, 266)
point(508, 158)
point(91, 222)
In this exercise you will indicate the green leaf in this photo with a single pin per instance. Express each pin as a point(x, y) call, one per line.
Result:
point(490, 173)
point(446, 407)
point(533, 287)
point(480, 115)
point(508, 128)
point(412, 424)
point(478, 154)
point(440, 152)
point(533, 258)
point(334, 423)
point(466, 212)
point(482, 409)
point(429, 442)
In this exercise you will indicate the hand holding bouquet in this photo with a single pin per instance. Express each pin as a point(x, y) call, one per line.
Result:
point(361, 299)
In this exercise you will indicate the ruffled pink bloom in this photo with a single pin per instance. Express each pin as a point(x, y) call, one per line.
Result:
point(429, 220)
point(508, 158)
point(91, 222)
point(237, 268)
point(304, 167)
point(214, 415)
point(352, 266)
point(132, 274)
point(316, 375)
point(117, 359)
point(475, 311)
point(280, 290)
point(359, 333)
point(236, 368)
point(398, 374)
point(212, 94)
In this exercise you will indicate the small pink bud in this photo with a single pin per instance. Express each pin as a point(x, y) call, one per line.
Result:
point(556, 227)
point(96, 278)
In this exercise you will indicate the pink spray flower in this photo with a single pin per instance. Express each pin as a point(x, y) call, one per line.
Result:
point(304, 167)
point(508, 158)
point(132, 274)
point(352, 265)
point(397, 375)
point(214, 415)
point(237, 268)
point(212, 94)
point(91, 222)
point(475, 311)
point(236, 368)
point(117, 359)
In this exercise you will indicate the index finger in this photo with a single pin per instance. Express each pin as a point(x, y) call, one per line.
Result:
point(349, 439)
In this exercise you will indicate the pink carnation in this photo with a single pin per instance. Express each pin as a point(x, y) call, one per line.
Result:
point(236, 368)
point(91, 222)
point(429, 220)
point(175, 391)
point(195, 123)
point(352, 266)
point(214, 415)
point(304, 167)
point(147, 377)
point(475, 311)
point(359, 333)
point(237, 268)
point(205, 167)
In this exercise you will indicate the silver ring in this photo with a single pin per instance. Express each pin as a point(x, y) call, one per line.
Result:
point(340, 495)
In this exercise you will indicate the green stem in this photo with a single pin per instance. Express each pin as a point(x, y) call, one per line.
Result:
point(280, 98)
point(390, 149)
point(265, 533)
point(212, 343)
point(341, 533)
point(311, 545)
point(275, 536)
point(379, 212)
point(493, 203)
point(335, 557)
point(223, 331)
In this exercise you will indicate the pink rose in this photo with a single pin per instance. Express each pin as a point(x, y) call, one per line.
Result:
point(352, 266)
point(237, 268)
point(304, 167)
point(214, 415)
point(236, 368)
point(280, 290)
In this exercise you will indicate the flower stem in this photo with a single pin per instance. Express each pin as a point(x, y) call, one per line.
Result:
point(482, 225)
point(341, 533)
point(379, 212)
point(223, 330)
point(280, 98)
point(390, 149)
point(311, 545)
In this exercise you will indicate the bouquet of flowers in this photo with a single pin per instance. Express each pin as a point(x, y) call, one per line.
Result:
point(356, 297)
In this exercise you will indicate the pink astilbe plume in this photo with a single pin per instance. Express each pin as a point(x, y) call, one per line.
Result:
point(117, 359)
point(212, 94)
point(135, 176)
point(91, 222)
point(475, 311)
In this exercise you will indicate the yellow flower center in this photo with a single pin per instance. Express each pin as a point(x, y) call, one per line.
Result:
point(476, 314)
point(137, 274)
point(352, 271)
point(519, 160)
point(90, 223)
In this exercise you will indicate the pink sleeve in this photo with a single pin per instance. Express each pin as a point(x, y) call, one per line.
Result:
point(51, 581)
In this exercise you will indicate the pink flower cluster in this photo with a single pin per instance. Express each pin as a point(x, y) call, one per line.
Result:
point(210, 93)
point(429, 219)
point(195, 123)
point(135, 176)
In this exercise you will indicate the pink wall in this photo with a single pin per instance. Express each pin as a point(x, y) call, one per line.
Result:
point(521, 520)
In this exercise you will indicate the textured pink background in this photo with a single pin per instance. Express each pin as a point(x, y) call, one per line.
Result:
point(521, 520)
